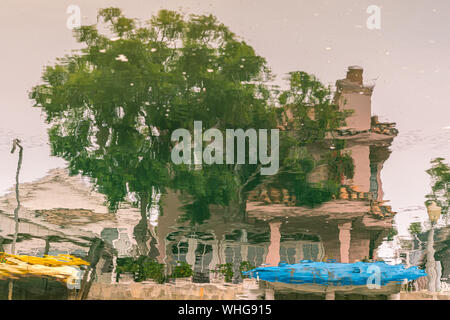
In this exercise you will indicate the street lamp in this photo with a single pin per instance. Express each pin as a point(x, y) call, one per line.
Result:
point(434, 212)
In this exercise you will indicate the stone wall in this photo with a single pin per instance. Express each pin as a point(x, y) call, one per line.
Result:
point(168, 291)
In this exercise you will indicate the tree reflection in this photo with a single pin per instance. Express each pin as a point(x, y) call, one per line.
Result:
point(440, 189)
point(113, 106)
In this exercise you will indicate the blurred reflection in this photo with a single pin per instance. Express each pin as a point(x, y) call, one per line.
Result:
point(326, 203)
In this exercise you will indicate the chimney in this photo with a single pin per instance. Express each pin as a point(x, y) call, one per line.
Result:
point(354, 74)
point(351, 94)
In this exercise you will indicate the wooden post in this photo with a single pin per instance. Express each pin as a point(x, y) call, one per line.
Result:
point(16, 144)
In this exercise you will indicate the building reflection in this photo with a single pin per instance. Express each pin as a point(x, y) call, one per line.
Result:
point(348, 228)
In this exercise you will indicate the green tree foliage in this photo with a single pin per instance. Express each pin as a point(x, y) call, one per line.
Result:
point(113, 106)
point(226, 270)
point(310, 116)
point(142, 268)
point(391, 234)
point(245, 266)
point(339, 164)
point(182, 270)
point(310, 105)
point(440, 189)
point(415, 228)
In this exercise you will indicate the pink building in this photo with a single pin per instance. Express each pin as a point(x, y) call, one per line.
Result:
point(352, 94)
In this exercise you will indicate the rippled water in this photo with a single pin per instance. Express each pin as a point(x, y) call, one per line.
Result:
point(179, 249)
point(64, 215)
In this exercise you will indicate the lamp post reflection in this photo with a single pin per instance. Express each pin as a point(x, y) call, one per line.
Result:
point(432, 267)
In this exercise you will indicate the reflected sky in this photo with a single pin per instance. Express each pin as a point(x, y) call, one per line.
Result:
point(407, 59)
